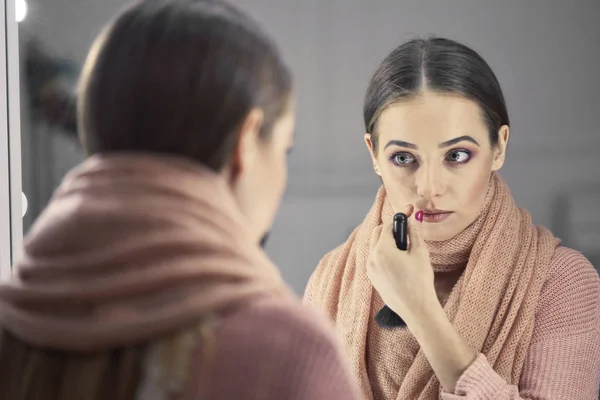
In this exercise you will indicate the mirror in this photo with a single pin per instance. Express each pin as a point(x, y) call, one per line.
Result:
point(49, 66)
point(545, 55)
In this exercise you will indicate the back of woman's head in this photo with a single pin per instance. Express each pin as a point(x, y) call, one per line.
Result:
point(178, 77)
point(438, 65)
point(175, 77)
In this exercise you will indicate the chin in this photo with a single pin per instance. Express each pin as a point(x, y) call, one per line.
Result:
point(438, 233)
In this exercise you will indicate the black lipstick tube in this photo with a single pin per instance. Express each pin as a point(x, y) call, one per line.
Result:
point(386, 318)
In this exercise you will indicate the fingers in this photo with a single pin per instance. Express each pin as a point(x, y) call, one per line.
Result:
point(376, 234)
point(415, 236)
point(375, 249)
point(384, 236)
point(408, 211)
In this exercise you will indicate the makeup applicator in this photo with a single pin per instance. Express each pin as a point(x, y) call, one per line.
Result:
point(386, 318)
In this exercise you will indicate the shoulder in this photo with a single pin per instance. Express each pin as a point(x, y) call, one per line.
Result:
point(279, 332)
point(287, 321)
point(329, 259)
point(278, 349)
point(571, 271)
point(570, 298)
point(326, 276)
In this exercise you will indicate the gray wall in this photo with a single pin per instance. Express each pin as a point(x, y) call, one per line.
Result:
point(546, 56)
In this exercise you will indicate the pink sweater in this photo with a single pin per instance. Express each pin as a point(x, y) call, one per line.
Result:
point(563, 361)
point(272, 350)
point(564, 358)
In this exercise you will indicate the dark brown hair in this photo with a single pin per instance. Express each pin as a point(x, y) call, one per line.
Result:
point(440, 65)
point(179, 77)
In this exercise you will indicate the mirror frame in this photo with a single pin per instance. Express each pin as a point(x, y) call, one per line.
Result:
point(11, 219)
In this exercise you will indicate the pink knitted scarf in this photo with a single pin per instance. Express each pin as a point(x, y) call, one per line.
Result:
point(492, 306)
point(130, 248)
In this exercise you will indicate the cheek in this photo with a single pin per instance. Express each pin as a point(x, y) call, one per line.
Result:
point(399, 185)
point(394, 174)
point(470, 191)
point(276, 171)
point(282, 176)
point(271, 180)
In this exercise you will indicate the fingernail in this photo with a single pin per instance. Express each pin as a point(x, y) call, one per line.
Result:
point(419, 216)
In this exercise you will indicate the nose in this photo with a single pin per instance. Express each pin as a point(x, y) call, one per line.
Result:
point(429, 182)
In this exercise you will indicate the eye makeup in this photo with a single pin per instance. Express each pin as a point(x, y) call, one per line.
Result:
point(403, 159)
point(459, 156)
point(455, 157)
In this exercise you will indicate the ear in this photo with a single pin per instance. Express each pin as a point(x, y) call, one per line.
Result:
point(500, 149)
point(248, 141)
point(369, 144)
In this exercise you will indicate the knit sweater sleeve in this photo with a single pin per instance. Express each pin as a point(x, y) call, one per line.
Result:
point(563, 361)
point(277, 350)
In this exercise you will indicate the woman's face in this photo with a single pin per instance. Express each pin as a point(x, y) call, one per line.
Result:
point(434, 152)
point(259, 169)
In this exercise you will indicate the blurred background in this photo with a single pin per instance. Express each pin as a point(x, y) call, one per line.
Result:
point(544, 52)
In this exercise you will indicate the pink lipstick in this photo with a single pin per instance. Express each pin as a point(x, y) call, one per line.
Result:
point(434, 216)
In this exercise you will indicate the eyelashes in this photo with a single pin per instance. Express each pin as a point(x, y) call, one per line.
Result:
point(403, 159)
point(453, 157)
point(459, 156)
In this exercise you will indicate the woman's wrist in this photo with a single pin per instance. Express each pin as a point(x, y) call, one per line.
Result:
point(425, 314)
point(448, 353)
point(423, 310)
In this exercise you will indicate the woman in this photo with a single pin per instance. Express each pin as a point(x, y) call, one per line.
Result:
point(494, 307)
point(144, 278)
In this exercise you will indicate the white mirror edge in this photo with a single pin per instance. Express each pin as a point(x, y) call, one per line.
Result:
point(11, 149)
point(5, 216)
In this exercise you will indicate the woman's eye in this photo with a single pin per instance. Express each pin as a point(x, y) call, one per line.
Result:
point(403, 159)
point(459, 156)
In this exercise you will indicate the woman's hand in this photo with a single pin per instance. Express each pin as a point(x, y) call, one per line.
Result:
point(404, 279)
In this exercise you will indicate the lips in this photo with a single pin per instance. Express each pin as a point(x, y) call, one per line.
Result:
point(434, 211)
point(435, 215)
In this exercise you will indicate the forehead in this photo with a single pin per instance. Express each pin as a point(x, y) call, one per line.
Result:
point(432, 118)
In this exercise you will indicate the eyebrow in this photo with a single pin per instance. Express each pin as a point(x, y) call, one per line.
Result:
point(400, 143)
point(447, 143)
point(459, 139)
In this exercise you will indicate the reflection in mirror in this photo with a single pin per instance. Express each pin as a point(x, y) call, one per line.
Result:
point(21, 10)
point(545, 56)
point(553, 143)
point(49, 71)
